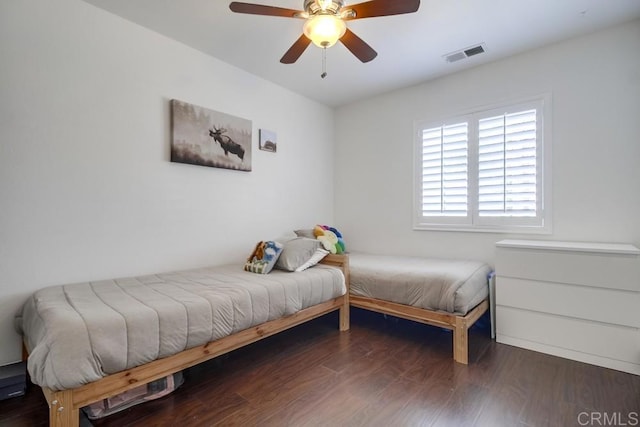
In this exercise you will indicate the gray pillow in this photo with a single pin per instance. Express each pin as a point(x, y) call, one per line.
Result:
point(299, 252)
point(307, 232)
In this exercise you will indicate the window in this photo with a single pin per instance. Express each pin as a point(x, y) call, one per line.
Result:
point(485, 171)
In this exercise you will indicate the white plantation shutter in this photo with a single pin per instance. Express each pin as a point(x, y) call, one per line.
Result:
point(444, 170)
point(507, 172)
point(485, 171)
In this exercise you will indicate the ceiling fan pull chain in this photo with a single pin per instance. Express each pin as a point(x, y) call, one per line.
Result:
point(324, 62)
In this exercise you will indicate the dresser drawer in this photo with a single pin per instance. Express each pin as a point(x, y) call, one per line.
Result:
point(582, 302)
point(603, 270)
point(580, 336)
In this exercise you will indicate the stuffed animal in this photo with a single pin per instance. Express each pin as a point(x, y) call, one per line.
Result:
point(330, 238)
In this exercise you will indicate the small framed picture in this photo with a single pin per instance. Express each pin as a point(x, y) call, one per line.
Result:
point(268, 141)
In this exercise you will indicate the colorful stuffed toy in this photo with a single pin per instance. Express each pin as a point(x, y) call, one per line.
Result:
point(264, 257)
point(330, 238)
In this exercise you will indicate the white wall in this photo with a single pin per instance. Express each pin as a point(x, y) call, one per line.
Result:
point(595, 86)
point(86, 187)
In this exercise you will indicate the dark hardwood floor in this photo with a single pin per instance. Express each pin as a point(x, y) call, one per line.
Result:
point(383, 372)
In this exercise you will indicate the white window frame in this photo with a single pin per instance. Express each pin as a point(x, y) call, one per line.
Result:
point(541, 224)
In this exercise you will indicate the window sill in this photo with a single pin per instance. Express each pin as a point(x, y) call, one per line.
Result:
point(484, 229)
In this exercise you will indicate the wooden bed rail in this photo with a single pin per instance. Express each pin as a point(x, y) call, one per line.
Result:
point(458, 324)
point(64, 406)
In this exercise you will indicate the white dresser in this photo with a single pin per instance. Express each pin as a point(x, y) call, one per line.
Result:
point(575, 300)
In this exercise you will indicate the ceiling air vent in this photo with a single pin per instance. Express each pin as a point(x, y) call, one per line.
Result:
point(464, 53)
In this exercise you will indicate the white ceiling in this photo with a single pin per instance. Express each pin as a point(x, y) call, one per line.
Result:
point(410, 47)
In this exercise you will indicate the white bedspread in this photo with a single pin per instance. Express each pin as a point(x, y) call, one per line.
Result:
point(454, 286)
point(81, 332)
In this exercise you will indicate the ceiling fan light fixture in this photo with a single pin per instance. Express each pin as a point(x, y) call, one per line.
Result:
point(317, 7)
point(324, 4)
point(324, 30)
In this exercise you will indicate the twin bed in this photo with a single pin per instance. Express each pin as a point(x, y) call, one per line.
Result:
point(86, 342)
point(451, 294)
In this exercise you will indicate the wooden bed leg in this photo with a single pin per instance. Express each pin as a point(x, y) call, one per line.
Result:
point(61, 410)
point(25, 353)
point(344, 314)
point(461, 342)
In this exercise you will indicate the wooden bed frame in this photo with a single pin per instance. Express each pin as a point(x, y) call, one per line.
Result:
point(64, 406)
point(458, 324)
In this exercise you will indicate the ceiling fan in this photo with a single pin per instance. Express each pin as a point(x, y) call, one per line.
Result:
point(326, 22)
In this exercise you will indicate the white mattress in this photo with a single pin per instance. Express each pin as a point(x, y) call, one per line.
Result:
point(82, 332)
point(453, 286)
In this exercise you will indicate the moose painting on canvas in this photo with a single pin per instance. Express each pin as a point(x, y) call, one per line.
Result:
point(204, 137)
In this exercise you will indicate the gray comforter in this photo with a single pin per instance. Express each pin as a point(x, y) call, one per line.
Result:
point(82, 332)
point(454, 286)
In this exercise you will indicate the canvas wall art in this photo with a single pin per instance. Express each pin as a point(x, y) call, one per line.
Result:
point(204, 137)
point(268, 141)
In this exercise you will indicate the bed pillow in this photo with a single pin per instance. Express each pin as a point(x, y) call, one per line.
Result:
point(317, 256)
point(286, 236)
point(300, 253)
point(307, 232)
point(264, 257)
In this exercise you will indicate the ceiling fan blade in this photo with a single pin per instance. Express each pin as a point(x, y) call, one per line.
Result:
point(295, 50)
point(373, 8)
point(259, 9)
point(358, 47)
